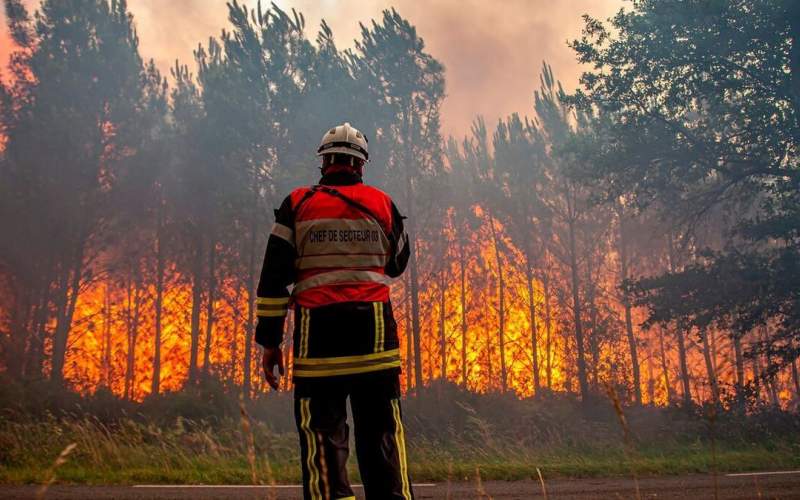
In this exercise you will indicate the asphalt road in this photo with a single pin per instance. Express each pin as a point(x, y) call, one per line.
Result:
point(782, 486)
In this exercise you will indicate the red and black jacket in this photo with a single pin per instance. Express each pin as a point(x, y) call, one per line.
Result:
point(339, 243)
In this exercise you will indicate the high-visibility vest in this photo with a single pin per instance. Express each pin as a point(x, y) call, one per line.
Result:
point(342, 244)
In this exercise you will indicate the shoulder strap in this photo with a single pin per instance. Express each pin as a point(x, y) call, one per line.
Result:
point(335, 193)
point(311, 192)
point(353, 203)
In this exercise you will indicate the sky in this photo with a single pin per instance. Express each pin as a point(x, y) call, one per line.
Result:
point(492, 50)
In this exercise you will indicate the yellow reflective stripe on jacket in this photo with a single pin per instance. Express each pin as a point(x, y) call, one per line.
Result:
point(272, 307)
point(333, 372)
point(346, 365)
point(347, 359)
point(283, 232)
point(268, 313)
point(271, 301)
point(343, 276)
point(353, 260)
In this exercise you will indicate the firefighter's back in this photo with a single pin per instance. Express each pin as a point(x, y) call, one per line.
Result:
point(331, 256)
point(344, 243)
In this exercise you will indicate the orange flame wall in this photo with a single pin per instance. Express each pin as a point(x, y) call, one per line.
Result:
point(483, 314)
point(98, 346)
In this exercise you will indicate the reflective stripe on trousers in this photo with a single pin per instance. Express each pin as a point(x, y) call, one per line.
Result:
point(321, 415)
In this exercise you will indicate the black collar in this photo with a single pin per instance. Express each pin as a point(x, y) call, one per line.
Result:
point(340, 179)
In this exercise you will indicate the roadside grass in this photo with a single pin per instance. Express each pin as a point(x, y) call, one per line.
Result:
point(203, 435)
point(131, 452)
point(607, 463)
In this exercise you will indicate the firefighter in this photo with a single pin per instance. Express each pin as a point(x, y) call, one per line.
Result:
point(339, 243)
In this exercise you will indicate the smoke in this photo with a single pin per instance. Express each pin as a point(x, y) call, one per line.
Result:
point(492, 51)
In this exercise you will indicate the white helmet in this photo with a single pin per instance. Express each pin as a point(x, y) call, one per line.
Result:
point(344, 139)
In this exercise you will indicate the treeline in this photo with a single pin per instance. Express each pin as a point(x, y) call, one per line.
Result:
point(111, 175)
point(639, 236)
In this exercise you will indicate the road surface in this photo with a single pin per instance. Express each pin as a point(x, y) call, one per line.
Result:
point(782, 486)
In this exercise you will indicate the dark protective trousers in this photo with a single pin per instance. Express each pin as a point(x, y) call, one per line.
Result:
point(320, 407)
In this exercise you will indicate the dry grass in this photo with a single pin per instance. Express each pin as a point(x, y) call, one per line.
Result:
point(541, 482)
point(479, 489)
point(247, 430)
point(51, 474)
point(130, 451)
point(626, 433)
point(449, 438)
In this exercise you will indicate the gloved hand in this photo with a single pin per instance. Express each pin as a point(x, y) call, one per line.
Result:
point(272, 357)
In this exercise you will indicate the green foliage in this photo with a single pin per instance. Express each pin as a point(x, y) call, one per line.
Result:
point(699, 122)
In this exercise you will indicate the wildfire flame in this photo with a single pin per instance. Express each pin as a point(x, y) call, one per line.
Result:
point(107, 318)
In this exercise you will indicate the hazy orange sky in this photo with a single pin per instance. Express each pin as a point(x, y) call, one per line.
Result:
point(492, 50)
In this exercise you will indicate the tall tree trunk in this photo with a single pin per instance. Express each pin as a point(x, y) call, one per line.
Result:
point(773, 391)
point(532, 316)
point(756, 374)
point(739, 361)
point(713, 343)
point(34, 358)
point(237, 324)
point(67, 303)
point(626, 302)
point(442, 333)
point(128, 333)
point(594, 342)
point(576, 314)
point(771, 375)
point(133, 335)
point(212, 288)
point(463, 290)
point(712, 375)
point(197, 300)
point(489, 360)
point(684, 367)
point(651, 380)
point(412, 236)
point(14, 343)
point(679, 332)
point(501, 307)
point(664, 367)
point(60, 299)
point(548, 330)
point(159, 305)
point(795, 379)
point(251, 299)
point(106, 338)
point(415, 329)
